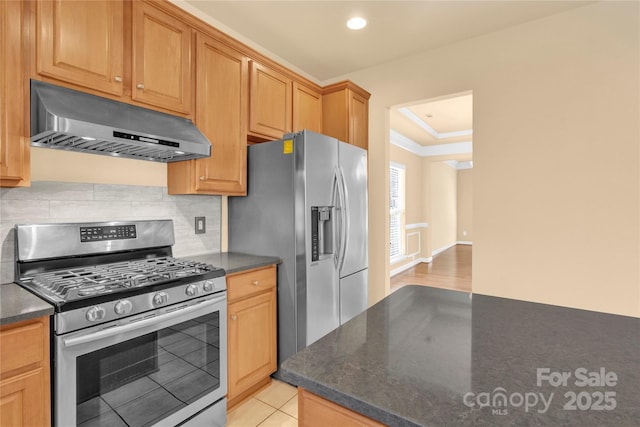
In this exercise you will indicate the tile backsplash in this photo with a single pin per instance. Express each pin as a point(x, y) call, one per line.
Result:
point(46, 202)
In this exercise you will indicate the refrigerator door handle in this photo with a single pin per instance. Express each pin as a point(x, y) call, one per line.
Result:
point(336, 202)
point(344, 218)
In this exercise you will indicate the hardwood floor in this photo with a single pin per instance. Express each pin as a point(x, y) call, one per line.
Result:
point(450, 269)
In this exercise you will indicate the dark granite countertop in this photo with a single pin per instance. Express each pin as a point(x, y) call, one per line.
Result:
point(17, 305)
point(233, 262)
point(433, 357)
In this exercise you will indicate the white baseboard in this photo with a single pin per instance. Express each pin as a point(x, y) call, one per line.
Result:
point(409, 265)
point(442, 249)
point(427, 260)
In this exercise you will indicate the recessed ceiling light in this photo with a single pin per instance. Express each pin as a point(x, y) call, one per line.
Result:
point(356, 23)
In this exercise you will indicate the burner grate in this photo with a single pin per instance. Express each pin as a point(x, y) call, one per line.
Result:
point(108, 278)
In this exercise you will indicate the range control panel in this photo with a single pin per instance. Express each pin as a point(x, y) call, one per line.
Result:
point(116, 232)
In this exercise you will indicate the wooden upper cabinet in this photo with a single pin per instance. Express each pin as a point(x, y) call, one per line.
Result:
point(14, 140)
point(82, 43)
point(307, 108)
point(161, 63)
point(222, 77)
point(358, 120)
point(270, 102)
point(345, 113)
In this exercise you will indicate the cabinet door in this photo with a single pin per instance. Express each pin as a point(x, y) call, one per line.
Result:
point(14, 144)
point(251, 340)
point(23, 401)
point(358, 120)
point(161, 71)
point(270, 102)
point(345, 109)
point(314, 410)
point(82, 43)
point(307, 108)
point(221, 114)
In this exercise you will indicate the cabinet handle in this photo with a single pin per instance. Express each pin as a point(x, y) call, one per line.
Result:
point(118, 79)
point(202, 178)
point(140, 86)
point(255, 283)
point(234, 317)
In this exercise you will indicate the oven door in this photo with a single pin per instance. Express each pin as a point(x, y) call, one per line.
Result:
point(158, 368)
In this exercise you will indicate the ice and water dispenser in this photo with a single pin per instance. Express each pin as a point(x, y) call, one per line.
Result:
point(322, 232)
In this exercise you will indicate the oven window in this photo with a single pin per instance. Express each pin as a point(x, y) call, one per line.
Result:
point(141, 381)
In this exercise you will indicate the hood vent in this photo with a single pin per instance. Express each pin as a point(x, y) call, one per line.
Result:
point(69, 120)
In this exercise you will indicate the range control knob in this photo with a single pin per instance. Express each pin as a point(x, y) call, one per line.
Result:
point(192, 290)
point(123, 307)
point(160, 298)
point(208, 286)
point(95, 314)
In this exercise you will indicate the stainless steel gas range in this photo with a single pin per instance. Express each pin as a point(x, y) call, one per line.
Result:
point(139, 337)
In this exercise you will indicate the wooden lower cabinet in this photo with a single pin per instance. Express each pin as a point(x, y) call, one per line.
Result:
point(24, 374)
point(315, 411)
point(251, 328)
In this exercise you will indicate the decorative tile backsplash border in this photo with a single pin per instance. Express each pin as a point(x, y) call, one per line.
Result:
point(46, 202)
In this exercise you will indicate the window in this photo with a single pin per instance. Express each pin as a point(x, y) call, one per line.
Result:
point(396, 212)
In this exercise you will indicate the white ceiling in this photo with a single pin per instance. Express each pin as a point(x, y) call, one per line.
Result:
point(436, 122)
point(312, 36)
point(441, 129)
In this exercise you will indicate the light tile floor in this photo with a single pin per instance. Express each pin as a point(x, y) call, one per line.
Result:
point(275, 406)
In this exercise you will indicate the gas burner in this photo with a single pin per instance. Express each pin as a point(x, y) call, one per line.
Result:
point(113, 277)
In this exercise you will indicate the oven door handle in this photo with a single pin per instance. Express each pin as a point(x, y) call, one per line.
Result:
point(95, 336)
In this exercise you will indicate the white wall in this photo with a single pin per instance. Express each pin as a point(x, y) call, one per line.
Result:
point(443, 222)
point(556, 210)
point(465, 205)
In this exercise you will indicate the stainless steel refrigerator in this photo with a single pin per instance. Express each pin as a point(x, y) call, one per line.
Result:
point(307, 204)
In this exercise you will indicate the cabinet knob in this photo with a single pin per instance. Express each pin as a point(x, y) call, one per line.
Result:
point(118, 79)
point(140, 86)
point(202, 178)
point(234, 317)
point(255, 283)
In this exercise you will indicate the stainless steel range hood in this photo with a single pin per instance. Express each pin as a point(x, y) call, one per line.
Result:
point(66, 119)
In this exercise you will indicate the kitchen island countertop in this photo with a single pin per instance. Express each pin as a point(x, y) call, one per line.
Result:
point(433, 357)
point(234, 262)
point(17, 304)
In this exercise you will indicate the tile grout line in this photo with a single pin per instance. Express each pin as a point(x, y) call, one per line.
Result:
point(267, 417)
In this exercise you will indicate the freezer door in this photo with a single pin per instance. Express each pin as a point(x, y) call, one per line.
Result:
point(353, 166)
point(317, 164)
point(353, 295)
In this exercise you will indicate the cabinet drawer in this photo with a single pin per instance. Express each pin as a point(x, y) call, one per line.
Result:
point(252, 282)
point(22, 345)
